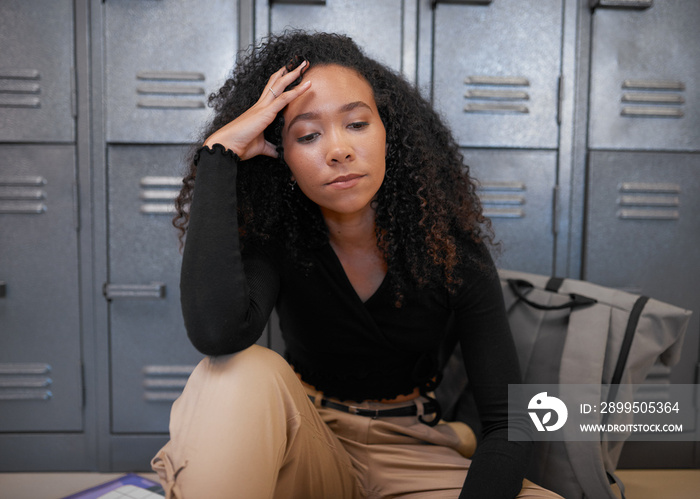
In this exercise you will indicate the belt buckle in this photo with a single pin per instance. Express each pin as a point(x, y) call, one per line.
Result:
point(361, 411)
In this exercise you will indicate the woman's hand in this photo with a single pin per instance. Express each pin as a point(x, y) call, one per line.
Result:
point(244, 135)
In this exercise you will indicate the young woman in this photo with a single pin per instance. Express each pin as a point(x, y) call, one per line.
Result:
point(328, 188)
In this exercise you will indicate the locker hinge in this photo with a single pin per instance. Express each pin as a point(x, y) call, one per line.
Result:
point(76, 204)
point(73, 94)
point(560, 99)
point(555, 210)
point(82, 382)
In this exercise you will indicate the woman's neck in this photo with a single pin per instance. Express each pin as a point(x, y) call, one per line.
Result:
point(354, 242)
point(352, 232)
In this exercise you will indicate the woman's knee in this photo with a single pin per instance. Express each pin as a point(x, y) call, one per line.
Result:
point(255, 360)
point(255, 373)
point(230, 388)
point(531, 490)
point(254, 364)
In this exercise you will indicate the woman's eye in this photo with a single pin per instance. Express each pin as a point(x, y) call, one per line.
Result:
point(307, 138)
point(358, 125)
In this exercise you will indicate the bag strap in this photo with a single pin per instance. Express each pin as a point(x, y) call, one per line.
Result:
point(632, 323)
point(615, 480)
point(554, 284)
point(577, 300)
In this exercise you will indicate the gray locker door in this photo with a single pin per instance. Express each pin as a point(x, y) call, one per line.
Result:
point(162, 60)
point(36, 71)
point(41, 385)
point(643, 232)
point(645, 71)
point(151, 357)
point(497, 67)
point(375, 26)
point(516, 192)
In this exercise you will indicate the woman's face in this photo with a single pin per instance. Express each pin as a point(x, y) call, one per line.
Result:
point(335, 142)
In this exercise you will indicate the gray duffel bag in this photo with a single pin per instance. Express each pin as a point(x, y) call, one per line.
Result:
point(568, 331)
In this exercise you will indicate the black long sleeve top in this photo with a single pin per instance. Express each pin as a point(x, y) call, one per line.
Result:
point(347, 348)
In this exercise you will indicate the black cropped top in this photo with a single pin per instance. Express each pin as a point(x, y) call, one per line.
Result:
point(347, 348)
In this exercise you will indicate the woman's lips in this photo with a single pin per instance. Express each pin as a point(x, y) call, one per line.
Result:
point(345, 181)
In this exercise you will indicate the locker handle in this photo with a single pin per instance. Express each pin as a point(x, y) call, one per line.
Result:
point(151, 291)
point(3, 289)
point(625, 4)
point(463, 2)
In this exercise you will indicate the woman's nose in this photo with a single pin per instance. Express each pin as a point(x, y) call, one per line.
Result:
point(339, 149)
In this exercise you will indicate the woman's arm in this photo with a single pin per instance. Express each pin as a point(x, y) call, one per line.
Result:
point(226, 297)
point(498, 465)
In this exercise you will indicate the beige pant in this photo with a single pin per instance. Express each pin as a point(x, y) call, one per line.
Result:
point(244, 427)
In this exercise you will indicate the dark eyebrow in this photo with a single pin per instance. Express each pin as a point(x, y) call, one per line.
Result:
point(353, 105)
point(346, 108)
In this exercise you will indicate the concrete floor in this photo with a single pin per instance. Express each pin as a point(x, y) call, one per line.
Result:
point(639, 484)
point(661, 484)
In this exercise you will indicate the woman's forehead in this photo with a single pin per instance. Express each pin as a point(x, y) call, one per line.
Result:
point(333, 88)
point(335, 73)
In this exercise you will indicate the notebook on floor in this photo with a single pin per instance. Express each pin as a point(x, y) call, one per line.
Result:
point(129, 486)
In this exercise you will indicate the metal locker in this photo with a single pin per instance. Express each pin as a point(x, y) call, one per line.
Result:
point(516, 190)
point(497, 71)
point(41, 387)
point(162, 60)
point(375, 26)
point(36, 71)
point(151, 357)
point(644, 88)
point(643, 233)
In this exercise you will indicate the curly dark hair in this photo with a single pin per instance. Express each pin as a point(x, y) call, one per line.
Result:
point(426, 208)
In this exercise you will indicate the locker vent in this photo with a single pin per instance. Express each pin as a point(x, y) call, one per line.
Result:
point(311, 2)
point(22, 194)
point(648, 201)
point(496, 95)
point(20, 88)
point(632, 4)
point(503, 199)
point(164, 383)
point(19, 382)
point(652, 99)
point(170, 90)
point(158, 195)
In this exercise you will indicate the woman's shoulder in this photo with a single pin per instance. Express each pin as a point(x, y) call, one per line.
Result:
point(476, 270)
point(474, 255)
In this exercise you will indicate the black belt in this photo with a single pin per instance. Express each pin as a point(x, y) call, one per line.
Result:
point(429, 407)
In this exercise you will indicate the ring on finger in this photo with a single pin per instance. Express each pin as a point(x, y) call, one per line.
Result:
point(273, 92)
